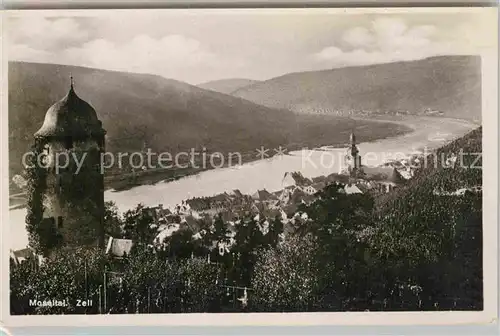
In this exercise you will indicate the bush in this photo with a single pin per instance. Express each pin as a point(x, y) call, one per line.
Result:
point(287, 278)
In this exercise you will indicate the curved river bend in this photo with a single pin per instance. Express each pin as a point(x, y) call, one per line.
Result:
point(429, 133)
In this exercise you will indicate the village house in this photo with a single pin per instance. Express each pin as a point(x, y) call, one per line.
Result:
point(216, 204)
point(166, 231)
point(236, 195)
point(288, 180)
point(295, 179)
point(285, 194)
point(352, 189)
point(339, 178)
point(458, 192)
point(119, 248)
point(320, 179)
point(309, 190)
point(264, 197)
point(19, 256)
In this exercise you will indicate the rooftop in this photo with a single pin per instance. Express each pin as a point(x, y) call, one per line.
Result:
point(71, 116)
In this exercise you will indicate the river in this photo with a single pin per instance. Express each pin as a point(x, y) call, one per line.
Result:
point(428, 133)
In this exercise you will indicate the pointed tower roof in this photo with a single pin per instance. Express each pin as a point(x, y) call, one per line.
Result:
point(71, 116)
point(352, 138)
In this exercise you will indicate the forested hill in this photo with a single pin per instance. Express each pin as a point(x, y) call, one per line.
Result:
point(227, 86)
point(431, 230)
point(164, 114)
point(447, 84)
point(440, 172)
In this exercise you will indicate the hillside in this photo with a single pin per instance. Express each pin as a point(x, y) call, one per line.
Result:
point(165, 114)
point(433, 226)
point(227, 86)
point(438, 173)
point(451, 84)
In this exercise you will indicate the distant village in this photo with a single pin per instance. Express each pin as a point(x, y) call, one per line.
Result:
point(267, 205)
point(318, 109)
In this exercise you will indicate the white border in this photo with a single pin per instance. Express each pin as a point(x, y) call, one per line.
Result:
point(490, 202)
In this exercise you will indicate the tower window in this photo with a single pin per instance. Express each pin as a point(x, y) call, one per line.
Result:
point(45, 153)
point(59, 222)
point(49, 221)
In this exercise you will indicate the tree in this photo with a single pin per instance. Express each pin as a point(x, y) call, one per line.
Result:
point(434, 243)
point(221, 232)
point(287, 278)
point(162, 285)
point(337, 222)
point(69, 274)
point(137, 224)
point(275, 232)
point(205, 243)
point(248, 239)
point(181, 244)
point(202, 292)
point(112, 221)
point(23, 278)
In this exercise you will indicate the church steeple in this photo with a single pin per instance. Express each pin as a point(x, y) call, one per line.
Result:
point(354, 148)
point(355, 165)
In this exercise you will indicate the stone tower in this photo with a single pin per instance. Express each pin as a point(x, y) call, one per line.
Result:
point(72, 139)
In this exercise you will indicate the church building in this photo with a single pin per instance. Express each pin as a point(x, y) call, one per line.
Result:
point(72, 139)
point(353, 158)
point(388, 176)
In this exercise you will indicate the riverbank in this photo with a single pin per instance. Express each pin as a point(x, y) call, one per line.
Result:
point(164, 175)
point(268, 173)
point(366, 130)
point(418, 132)
point(262, 174)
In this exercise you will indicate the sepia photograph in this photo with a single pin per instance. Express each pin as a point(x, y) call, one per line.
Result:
point(247, 161)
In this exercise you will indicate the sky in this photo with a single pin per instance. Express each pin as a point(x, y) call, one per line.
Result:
point(202, 45)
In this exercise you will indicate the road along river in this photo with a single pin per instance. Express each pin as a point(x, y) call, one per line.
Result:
point(428, 133)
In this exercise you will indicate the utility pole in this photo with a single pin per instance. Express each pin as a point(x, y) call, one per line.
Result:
point(149, 299)
point(234, 298)
point(86, 283)
point(100, 299)
point(105, 285)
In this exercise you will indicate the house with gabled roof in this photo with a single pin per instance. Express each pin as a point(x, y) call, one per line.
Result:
point(352, 189)
point(263, 196)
